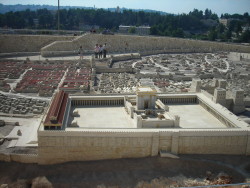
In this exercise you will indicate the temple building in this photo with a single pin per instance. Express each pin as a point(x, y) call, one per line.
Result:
point(85, 127)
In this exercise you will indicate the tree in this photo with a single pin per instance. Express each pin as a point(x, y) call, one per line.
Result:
point(212, 35)
point(178, 33)
point(132, 30)
point(245, 37)
point(154, 30)
point(196, 13)
point(221, 28)
point(207, 14)
point(228, 35)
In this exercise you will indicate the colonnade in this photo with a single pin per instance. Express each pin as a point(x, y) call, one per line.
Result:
point(97, 102)
point(179, 100)
point(217, 115)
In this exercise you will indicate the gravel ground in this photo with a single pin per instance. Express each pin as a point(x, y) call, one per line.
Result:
point(126, 172)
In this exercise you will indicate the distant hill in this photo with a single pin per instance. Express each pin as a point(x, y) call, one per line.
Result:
point(19, 7)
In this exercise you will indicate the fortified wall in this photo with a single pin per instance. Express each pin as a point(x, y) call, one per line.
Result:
point(27, 43)
point(142, 44)
point(63, 146)
point(84, 144)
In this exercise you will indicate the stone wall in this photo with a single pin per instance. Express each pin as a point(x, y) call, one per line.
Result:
point(213, 142)
point(234, 56)
point(114, 70)
point(21, 158)
point(62, 146)
point(27, 43)
point(141, 44)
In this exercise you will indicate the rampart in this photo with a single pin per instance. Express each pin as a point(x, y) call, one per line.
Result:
point(63, 146)
point(144, 45)
point(21, 158)
point(27, 43)
point(80, 144)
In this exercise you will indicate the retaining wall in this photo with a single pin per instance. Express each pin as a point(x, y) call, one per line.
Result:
point(21, 158)
point(63, 146)
point(27, 43)
point(144, 45)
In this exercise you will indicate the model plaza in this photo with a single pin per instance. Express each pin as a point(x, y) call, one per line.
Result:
point(145, 110)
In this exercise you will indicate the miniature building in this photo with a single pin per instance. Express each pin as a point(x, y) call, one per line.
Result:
point(141, 30)
point(220, 96)
point(196, 85)
point(146, 98)
point(55, 116)
point(238, 101)
point(118, 126)
point(235, 103)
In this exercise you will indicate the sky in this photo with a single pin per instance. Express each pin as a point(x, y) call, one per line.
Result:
point(169, 6)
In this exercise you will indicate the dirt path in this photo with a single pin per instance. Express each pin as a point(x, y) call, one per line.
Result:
point(126, 172)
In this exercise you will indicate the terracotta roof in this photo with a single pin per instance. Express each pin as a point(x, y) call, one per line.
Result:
point(57, 109)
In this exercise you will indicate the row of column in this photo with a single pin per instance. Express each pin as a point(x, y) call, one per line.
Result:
point(179, 100)
point(97, 102)
point(218, 116)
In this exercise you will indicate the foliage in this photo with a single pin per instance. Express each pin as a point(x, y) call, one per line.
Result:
point(132, 30)
point(189, 25)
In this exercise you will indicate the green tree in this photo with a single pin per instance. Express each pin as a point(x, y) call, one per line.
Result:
point(245, 37)
point(212, 35)
point(207, 14)
point(132, 30)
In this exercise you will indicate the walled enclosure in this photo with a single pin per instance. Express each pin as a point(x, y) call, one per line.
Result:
point(141, 44)
point(81, 144)
point(27, 43)
point(63, 146)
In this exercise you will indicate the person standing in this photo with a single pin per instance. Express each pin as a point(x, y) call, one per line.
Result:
point(96, 50)
point(104, 50)
point(80, 52)
point(100, 51)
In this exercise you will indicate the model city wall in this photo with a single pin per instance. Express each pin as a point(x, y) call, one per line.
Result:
point(62, 146)
point(144, 45)
point(98, 144)
point(50, 45)
point(27, 43)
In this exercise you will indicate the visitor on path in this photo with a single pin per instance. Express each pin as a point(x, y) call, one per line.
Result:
point(104, 50)
point(96, 50)
point(80, 53)
point(100, 51)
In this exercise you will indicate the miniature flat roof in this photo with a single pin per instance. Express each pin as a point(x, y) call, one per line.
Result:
point(145, 89)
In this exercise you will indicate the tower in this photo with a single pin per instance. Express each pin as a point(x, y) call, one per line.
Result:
point(222, 83)
point(220, 96)
point(196, 85)
point(238, 101)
